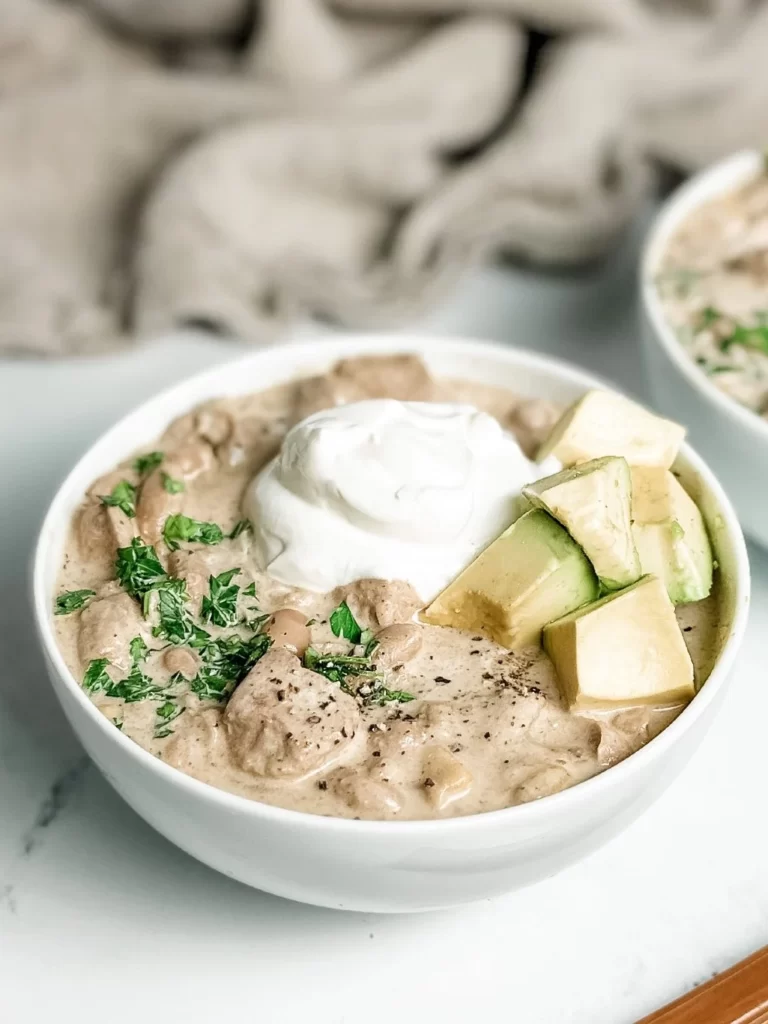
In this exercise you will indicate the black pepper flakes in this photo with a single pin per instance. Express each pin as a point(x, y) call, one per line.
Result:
point(441, 680)
point(281, 695)
point(322, 784)
point(687, 629)
point(429, 783)
point(376, 753)
point(486, 735)
point(313, 720)
point(488, 675)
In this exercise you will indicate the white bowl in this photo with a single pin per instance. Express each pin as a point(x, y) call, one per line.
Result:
point(731, 437)
point(381, 865)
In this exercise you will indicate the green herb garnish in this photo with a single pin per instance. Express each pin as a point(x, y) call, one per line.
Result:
point(243, 526)
point(369, 642)
point(176, 624)
point(138, 568)
point(123, 496)
point(343, 623)
point(146, 463)
point(135, 687)
point(708, 316)
point(172, 486)
point(337, 667)
point(755, 338)
point(166, 713)
point(138, 650)
point(96, 677)
point(181, 528)
point(250, 590)
point(71, 600)
point(381, 695)
point(118, 724)
point(225, 662)
point(220, 606)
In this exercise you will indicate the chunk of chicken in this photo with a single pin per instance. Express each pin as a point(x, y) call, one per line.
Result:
point(352, 380)
point(198, 741)
point(541, 781)
point(622, 734)
point(253, 441)
point(444, 777)
point(100, 528)
point(531, 422)
point(284, 721)
point(196, 566)
point(366, 796)
point(100, 531)
point(155, 502)
point(379, 602)
point(107, 626)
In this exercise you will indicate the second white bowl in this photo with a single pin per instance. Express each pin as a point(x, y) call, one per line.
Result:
point(731, 437)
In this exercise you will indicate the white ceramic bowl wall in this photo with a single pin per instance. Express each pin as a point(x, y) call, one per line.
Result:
point(380, 866)
point(732, 438)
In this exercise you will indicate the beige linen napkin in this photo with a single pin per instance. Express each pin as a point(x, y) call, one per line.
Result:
point(347, 158)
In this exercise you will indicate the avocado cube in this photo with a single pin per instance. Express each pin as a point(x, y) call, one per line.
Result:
point(531, 574)
point(593, 502)
point(624, 650)
point(605, 423)
point(670, 534)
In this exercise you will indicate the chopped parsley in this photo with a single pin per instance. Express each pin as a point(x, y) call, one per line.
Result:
point(250, 590)
point(343, 623)
point(170, 485)
point(380, 695)
point(225, 662)
point(166, 713)
point(71, 600)
point(708, 316)
point(138, 568)
point(118, 724)
point(369, 642)
point(337, 667)
point(752, 336)
point(123, 496)
point(242, 526)
point(755, 338)
point(138, 650)
point(176, 624)
point(96, 677)
point(146, 463)
point(220, 605)
point(181, 528)
point(135, 687)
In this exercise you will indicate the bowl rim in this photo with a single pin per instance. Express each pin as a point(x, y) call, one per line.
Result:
point(713, 181)
point(333, 349)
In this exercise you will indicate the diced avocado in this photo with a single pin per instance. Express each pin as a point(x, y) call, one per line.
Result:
point(670, 534)
point(528, 576)
point(621, 651)
point(604, 423)
point(593, 502)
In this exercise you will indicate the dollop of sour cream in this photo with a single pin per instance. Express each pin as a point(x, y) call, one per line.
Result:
point(389, 490)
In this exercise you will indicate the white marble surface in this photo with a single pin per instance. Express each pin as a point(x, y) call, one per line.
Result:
point(102, 920)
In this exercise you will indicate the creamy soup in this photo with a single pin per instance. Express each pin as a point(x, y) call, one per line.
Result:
point(337, 703)
point(713, 281)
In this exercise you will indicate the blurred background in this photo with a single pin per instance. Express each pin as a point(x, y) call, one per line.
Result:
point(244, 165)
